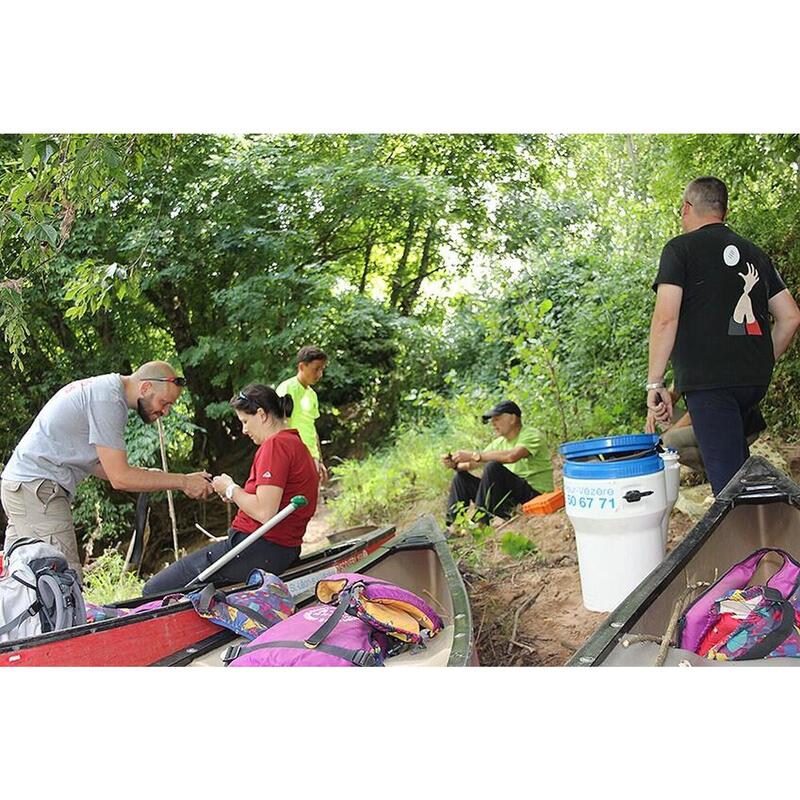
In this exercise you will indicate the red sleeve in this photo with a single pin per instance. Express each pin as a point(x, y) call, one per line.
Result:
point(271, 464)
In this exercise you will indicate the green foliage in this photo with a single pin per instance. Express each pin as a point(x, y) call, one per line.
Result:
point(105, 582)
point(12, 319)
point(380, 485)
point(99, 516)
point(440, 272)
point(409, 470)
point(516, 545)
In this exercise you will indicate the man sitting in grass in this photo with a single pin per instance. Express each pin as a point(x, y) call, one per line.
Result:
point(516, 468)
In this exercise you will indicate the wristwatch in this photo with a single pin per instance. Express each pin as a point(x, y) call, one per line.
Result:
point(476, 456)
point(229, 491)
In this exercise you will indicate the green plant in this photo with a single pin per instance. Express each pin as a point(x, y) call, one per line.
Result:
point(100, 514)
point(105, 581)
point(516, 545)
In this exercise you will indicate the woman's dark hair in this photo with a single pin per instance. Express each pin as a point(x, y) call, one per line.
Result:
point(257, 395)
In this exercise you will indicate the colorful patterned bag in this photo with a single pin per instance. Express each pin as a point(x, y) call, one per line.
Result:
point(769, 624)
point(249, 612)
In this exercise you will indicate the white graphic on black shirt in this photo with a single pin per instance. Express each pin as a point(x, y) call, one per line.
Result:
point(730, 255)
point(743, 322)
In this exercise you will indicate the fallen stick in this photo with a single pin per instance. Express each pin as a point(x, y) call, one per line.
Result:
point(129, 553)
point(507, 522)
point(673, 622)
point(480, 627)
point(435, 602)
point(636, 638)
point(210, 535)
point(529, 602)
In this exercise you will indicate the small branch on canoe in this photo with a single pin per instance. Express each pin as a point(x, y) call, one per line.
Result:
point(169, 493)
point(636, 638)
point(441, 609)
point(524, 605)
point(673, 623)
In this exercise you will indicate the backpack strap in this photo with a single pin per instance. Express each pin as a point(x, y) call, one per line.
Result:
point(31, 611)
point(786, 578)
point(48, 590)
point(21, 543)
point(62, 604)
point(325, 629)
point(774, 638)
point(360, 658)
point(209, 593)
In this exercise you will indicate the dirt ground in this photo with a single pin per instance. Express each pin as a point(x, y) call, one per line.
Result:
point(530, 612)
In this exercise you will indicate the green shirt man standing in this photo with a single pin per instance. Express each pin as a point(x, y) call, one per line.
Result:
point(311, 362)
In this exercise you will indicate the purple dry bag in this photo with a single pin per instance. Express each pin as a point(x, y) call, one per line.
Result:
point(316, 636)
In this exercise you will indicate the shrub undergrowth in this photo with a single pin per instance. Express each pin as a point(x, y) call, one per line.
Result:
point(105, 581)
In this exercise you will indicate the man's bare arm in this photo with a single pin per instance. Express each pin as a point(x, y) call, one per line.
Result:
point(784, 311)
point(663, 329)
point(121, 475)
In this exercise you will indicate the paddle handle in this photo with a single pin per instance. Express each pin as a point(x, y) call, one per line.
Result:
point(294, 504)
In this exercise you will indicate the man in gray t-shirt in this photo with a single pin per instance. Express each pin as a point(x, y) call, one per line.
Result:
point(80, 432)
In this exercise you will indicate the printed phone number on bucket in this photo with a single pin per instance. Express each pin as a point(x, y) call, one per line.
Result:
point(603, 503)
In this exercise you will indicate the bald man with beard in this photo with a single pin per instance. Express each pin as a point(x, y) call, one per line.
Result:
point(81, 432)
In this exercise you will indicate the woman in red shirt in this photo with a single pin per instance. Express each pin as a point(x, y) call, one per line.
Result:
point(282, 468)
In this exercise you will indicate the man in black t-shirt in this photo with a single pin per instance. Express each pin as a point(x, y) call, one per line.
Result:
point(715, 293)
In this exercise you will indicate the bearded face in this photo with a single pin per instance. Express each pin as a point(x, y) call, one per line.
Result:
point(146, 410)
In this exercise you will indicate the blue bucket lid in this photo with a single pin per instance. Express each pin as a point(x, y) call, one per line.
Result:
point(608, 470)
point(610, 444)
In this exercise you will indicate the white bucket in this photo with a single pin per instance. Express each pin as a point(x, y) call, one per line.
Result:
point(672, 478)
point(617, 507)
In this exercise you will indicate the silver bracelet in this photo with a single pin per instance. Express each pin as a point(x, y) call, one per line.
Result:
point(657, 385)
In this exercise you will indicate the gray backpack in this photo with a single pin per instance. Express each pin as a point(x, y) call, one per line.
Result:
point(38, 592)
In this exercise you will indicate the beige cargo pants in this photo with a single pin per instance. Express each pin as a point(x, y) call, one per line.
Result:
point(40, 509)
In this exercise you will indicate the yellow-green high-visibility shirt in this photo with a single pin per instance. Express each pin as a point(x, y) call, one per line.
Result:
point(306, 410)
point(535, 467)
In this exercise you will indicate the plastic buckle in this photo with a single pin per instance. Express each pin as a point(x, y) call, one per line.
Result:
point(231, 653)
point(364, 658)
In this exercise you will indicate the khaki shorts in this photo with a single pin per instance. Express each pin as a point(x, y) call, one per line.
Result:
point(40, 509)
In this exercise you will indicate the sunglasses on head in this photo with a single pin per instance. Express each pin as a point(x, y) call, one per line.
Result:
point(178, 380)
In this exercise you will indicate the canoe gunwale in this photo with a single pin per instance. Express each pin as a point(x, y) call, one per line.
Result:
point(756, 483)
